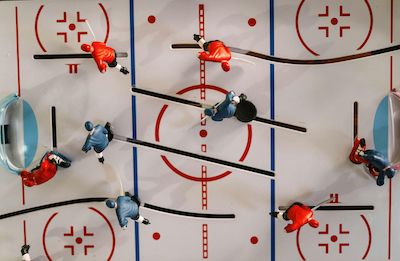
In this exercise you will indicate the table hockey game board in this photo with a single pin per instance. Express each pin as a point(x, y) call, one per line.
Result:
point(322, 75)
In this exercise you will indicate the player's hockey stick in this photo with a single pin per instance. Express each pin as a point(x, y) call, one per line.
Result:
point(243, 60)
point(121, 192)
point(90, 28)
point(323, 202)
point(205, 117)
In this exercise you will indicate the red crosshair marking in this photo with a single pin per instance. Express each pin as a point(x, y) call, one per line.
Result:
point(334, 21)
point(79, 240)
point(70, 26)
point(334, 238)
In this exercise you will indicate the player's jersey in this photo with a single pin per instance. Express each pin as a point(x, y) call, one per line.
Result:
point(46, 171)
point(218, 53)
point(102, 54)
point(98, 139)
point(226, 109)
point(126, 208)
point(375, 158)
point(299, 215)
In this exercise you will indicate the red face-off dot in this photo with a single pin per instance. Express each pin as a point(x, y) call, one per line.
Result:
point(252, 22)
point(254, 240)
point(334, 238)
point(72, 27)
point(78, 240)
point(156, 236)
point(334, 21)
point(151, 19)
point(203, 133)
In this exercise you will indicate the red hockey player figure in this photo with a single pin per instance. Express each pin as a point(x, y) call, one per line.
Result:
point(46, 170)
point(24, 253)
point(101, 53)
point(300, 215)
point(377, 163)
point(218, 52)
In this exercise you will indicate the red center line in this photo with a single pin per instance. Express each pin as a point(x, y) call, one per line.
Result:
point(391, 21)
point(23, 191)
point(16, 23)
point(391, 88)
point(24, 232)
point(390, 214)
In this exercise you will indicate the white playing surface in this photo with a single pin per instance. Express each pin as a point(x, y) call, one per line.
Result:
point(309, 167)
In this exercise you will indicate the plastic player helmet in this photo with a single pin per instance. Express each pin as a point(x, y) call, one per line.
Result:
point(225, 66)
point(89, 126)
point(86, 47)
point(110, 203)
point(313, 223)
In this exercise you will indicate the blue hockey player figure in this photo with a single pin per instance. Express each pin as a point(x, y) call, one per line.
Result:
point(127, 207)
point(98, 138)
point(233, 105)
point(378, 165)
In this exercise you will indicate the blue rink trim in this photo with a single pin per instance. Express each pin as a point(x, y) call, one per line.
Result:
point(30, 133)
point(381, 127)
point(272, 107)
point(134, 127)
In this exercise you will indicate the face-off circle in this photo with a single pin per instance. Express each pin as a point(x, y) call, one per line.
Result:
point(326, 15)
point(203, 133)
point(76, 238)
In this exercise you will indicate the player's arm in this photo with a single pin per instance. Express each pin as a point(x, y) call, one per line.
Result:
point(289, 228)
point(102, 66)
point(104, 130)
point(204, 56)
point(86, 147)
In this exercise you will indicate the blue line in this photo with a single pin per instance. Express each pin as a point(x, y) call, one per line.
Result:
point(272, 91)
point(271, 28)
point(272, 107)
point(133, 73)
point(134, 127)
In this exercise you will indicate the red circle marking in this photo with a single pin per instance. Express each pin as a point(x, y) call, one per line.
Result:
point(186, 176)
point(370, 26)
point(203, 133)
point(71, 27)
point(78, 240)
point(252, 22)
point(254, 240)
point(151, 19)
point(249, 138)
point(205, 86)
point(108, 22)
point(369, 234)
point(156, 236)
point(334, 238)
point(334, 21)
point(298, 31)
point(36, 28)
point(112, 231)
point(44, 235)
